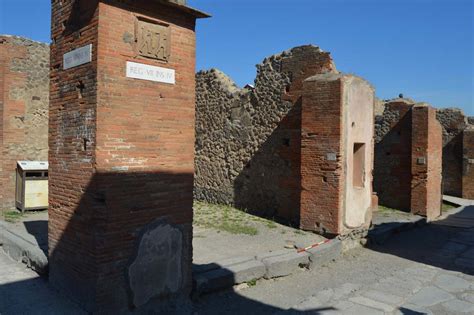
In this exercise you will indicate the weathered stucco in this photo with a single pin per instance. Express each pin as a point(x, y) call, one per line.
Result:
point(157, 268)
point(358, 109)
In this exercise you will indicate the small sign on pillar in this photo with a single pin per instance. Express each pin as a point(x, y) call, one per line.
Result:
point(150, 73)
point(77, 57)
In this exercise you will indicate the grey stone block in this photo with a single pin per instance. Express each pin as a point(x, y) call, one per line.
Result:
point(283, 265)
point(23, 251)
point(429, 296)
point(324, 253)
point(227, 276)
point(458, 306)
point(247, 271)
point(452, 283)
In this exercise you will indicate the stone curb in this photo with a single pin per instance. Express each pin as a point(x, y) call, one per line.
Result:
point(227, 276)
point(219, 276)
point(284, 265)
point(325, 253)
point(23, 251)
point(380, 234)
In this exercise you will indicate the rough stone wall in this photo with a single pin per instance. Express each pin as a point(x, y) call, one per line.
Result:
point(24, 99)
point(426, 155)
point(379, 107)
point(248, 140)
point(121, 159)
point(453, 122)
point(468, 163)
point(392, 169)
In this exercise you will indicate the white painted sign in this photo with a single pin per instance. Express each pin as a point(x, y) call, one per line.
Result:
point(150, 73)
point(77, 57)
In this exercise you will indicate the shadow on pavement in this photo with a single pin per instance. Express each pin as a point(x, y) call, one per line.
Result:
point(446, 243)
point(39, 230)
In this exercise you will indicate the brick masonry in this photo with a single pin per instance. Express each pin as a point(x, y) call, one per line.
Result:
point(468, 163)
point(248, 140)
point(408, 146)
point(331, 124)
point(453, 122)
point(121, 154)
point(426, 164)
point(24, 99)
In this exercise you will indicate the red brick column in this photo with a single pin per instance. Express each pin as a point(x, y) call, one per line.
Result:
point(468, 163)
point(121, 153)
point(321, 155)
point(336, 154)
point(426, 164)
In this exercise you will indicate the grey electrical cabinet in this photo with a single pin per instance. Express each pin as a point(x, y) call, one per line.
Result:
point(31, 185)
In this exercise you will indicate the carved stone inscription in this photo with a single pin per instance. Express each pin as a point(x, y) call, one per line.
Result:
point(153, 40)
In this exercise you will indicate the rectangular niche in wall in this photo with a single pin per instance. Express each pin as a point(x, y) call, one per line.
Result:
point(358, 165)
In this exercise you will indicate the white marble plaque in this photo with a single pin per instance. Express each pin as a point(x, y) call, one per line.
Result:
point(150, 73)
point(77, 57)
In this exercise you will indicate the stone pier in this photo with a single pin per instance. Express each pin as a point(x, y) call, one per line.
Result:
point(408, 158)
point(336, 153)
point(121, 151)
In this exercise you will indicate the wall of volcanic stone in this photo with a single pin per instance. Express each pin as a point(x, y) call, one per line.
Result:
point(24, 100)
point(453, 122)
point(248, 140)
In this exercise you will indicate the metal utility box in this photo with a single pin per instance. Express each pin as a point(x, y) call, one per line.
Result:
point(31, 185)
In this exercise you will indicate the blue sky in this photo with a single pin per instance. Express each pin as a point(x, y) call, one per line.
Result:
point(421, 48)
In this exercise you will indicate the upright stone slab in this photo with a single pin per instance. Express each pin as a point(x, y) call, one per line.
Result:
point(121, 144)
point(336, 153)
point(468, 163)
point(426, 162)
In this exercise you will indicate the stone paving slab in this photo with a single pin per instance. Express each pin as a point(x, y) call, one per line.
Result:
point(458, 201)
point(429, 296)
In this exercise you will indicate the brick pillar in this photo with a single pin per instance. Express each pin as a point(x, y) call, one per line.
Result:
point(336, 153)
point(468, 163)
point(426, 162)
point(121, 143)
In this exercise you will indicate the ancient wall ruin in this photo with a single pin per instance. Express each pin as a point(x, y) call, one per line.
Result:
point(408, 145)
point(248, 140)
point(121, 153)
point(336, 153)
point(24, 100)
point(392, 170)
point(468, 163)
point(453, 122)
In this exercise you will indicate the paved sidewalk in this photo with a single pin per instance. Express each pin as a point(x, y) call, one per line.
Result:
point(428, 270)
point(418, 289)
